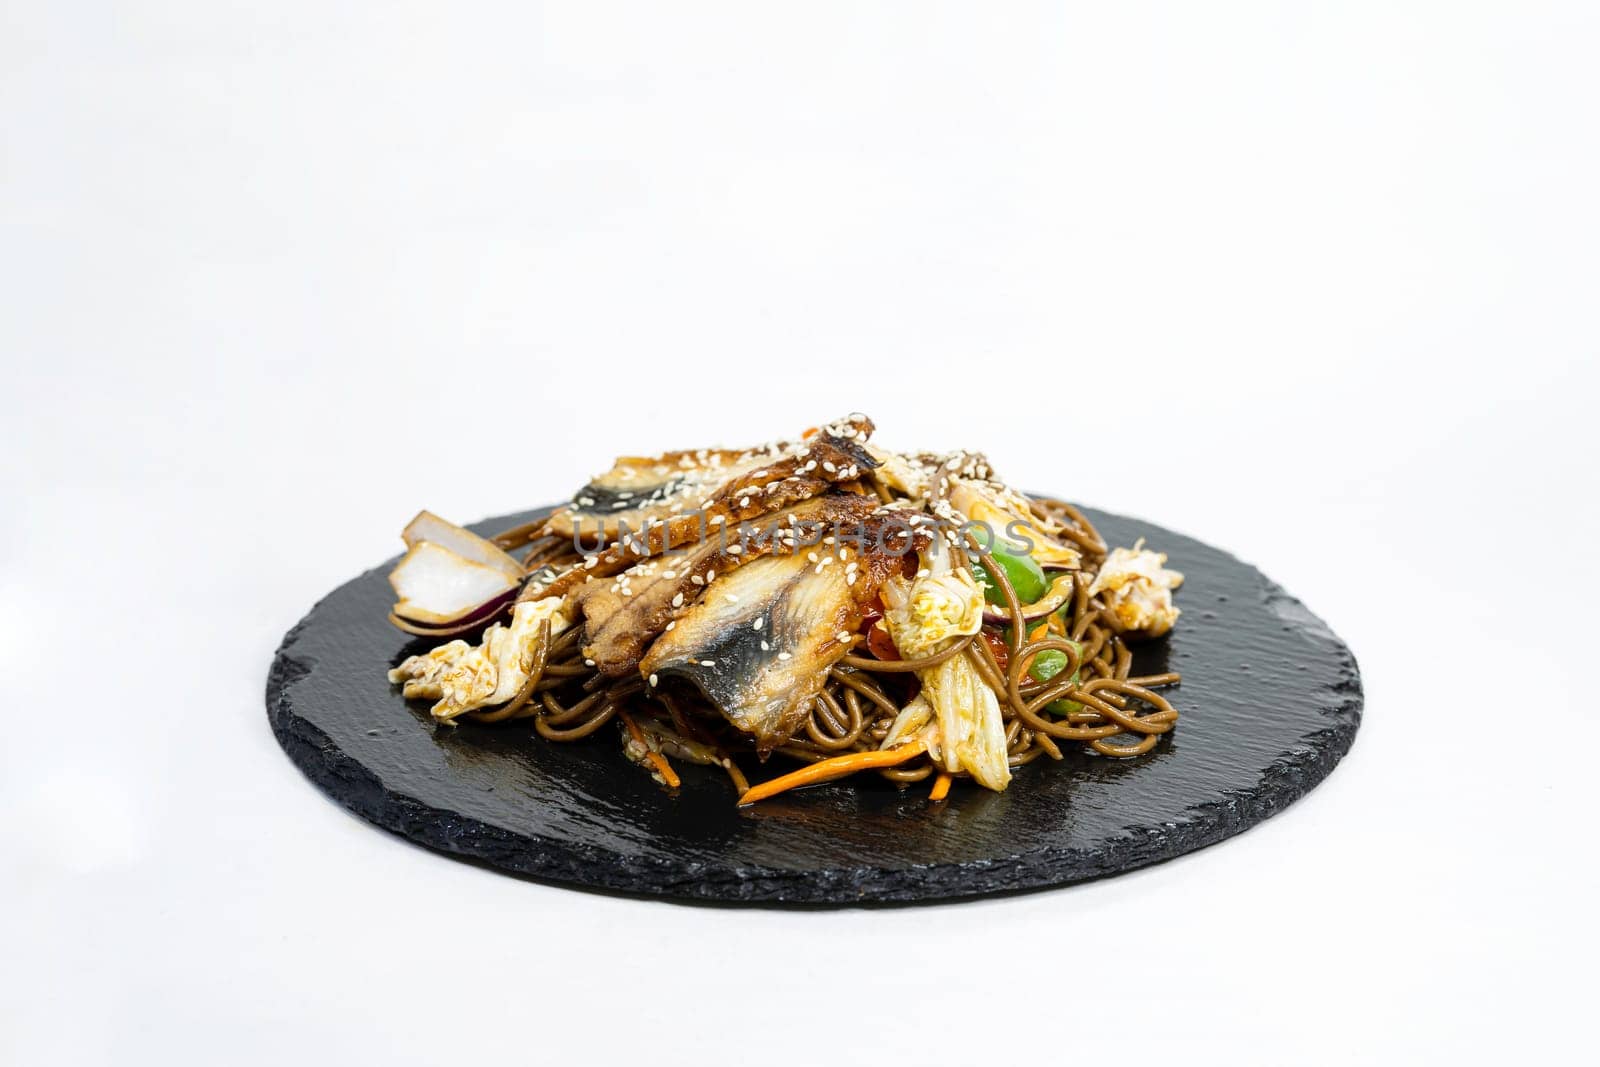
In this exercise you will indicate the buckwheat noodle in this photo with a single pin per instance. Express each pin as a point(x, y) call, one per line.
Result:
point(1094, 700)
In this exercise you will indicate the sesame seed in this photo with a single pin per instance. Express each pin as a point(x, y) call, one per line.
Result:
point(760, 620)
point(731, 598)
point(784, 655)
point(670, 625)
point(652, 681)
point(844, 635)
point(765, 647)
point(677, 600)
point(696, 579)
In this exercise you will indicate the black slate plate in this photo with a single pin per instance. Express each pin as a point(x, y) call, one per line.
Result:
point(1270, 701)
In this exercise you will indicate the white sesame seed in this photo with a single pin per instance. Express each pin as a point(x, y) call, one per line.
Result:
point(784, 655)
point(670, 625)
point(588, 663)
point(652, 681)
point(760, 621)
point(696, 579)
point(765, 647)
point(677, 600)
point(731, 598)
point(844, 635)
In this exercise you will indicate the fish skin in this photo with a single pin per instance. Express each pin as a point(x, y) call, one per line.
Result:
point(638, 489)
point(621, 626)
point(803, 605)
point(716, 648)
point(781, 484)
point(652, 484)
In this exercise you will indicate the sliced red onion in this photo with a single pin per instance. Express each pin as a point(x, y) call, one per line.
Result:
point(473, 620)
point(1060, 590)
point(436, 587)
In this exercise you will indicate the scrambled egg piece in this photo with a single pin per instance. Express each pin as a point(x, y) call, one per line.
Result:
point(956, 713)
point(463, 678)
point(1008, 517)
point(1138, 589)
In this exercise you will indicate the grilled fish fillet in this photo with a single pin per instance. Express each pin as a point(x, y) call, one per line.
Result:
point(807, 471)
point(760, 642)
point(626, 613)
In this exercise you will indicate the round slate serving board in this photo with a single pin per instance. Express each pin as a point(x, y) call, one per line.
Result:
point(1270, 701)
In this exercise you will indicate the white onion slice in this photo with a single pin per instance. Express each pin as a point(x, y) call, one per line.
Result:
point(463, 542)
point(438, 586)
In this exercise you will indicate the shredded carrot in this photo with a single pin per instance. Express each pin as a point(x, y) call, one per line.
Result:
point(809, 434)
point(941, 788)
point(828, 769)
point(657, 760)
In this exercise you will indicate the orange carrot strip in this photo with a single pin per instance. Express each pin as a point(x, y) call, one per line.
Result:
point(941, 788)
point(656, 759)
point(828, 769)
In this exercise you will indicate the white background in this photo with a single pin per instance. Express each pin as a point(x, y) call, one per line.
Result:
point(1316, 283)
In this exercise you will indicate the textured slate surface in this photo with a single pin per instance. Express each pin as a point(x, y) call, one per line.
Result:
point(1271, 700)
